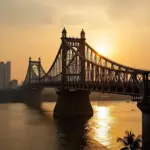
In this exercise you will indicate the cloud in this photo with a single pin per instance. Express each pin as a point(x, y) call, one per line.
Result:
point(102, 14)
point(83, 20)
point(109, 14)
point(120, 10)
point(30, 12)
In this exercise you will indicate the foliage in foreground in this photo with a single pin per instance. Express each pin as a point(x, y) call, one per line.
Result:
point(130, 142)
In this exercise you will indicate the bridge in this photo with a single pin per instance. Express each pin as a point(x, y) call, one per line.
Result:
point(79, 69)
point(78, 66)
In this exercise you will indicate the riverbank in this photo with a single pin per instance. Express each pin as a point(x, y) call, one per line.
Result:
point(14, 95)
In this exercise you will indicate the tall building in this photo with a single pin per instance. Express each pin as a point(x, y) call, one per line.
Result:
point(5, 74)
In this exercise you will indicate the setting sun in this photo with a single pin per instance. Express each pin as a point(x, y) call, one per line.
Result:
point(104, 45)
point(102, 49)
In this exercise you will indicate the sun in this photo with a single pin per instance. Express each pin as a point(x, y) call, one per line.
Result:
point(103, 45)
point(102, 49)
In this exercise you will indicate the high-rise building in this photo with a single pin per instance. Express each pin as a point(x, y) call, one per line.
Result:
point(5, 74)
point(2, 75)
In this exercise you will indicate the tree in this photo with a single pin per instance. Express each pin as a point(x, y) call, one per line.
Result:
point(130, 141)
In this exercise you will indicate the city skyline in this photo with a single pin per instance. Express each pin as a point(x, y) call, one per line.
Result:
point(118, 29)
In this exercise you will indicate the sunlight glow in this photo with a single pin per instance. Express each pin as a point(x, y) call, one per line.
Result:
point(102, 49)
point(104, 45)
point(102, 112)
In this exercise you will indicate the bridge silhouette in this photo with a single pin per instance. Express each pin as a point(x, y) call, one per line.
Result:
point(78, 66)
point(79, 69)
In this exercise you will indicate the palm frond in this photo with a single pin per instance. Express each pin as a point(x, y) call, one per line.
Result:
point(138, 142)
point(129, 133)
point(139, 137)
point(123, 141)
point(130, 141)
point(129, 137)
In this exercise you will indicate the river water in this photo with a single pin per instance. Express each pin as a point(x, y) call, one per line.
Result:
point(23, 128)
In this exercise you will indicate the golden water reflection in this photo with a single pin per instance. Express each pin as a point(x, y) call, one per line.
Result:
point(102, 125)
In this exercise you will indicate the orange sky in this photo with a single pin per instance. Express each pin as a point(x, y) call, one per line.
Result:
point(119, 28)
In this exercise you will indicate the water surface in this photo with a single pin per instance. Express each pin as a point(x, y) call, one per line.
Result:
point(22, 128)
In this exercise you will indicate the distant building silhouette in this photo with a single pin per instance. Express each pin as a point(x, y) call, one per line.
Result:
point(5, 74)
point(13, 84)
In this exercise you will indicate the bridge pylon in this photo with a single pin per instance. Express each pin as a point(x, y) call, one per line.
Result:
point(73, 102)
point(39, 68)
point(64, 54)
point(82, 53)
point(29, 70)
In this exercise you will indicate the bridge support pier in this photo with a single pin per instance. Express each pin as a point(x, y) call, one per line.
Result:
point(145, 108)
point(73, 103)
point(32, 97)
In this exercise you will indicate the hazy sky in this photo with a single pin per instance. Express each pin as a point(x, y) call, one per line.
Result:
point(118, 28)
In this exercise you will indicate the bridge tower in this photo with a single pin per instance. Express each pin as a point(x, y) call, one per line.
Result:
point(82, 53)
point(73, 102)
point(39, 68)
point(29, 77)
point(64, 53)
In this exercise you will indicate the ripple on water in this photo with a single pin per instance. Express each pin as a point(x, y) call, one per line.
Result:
point(24, 128)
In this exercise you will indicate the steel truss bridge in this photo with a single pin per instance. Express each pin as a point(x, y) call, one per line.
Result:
point(78, 66)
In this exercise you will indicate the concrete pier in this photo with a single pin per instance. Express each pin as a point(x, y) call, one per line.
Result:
point(73, 103)
point(145, 108)
point(32, 97)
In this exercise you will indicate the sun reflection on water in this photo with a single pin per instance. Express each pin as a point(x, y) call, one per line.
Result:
point(102, 112)
point(102, 124)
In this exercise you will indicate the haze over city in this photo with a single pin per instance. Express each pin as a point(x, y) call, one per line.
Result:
point(119, 29)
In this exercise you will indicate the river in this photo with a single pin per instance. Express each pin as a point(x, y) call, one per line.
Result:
point(23, 128)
